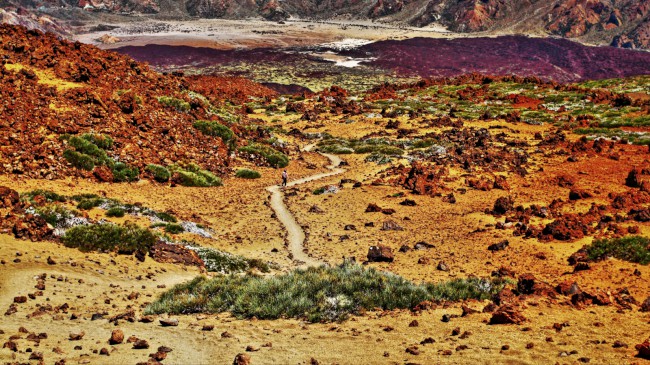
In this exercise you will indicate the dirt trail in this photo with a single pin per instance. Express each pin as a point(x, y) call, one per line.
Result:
point(295, 233)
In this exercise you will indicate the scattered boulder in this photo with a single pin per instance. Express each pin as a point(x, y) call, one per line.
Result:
point(390, 225)
point(380, 253)
point(316, 209)
point(242, 359)
point(141, 344)
point(568, 288)
point(645, 306)
point(169, 322)
point(442, 266)
point(498, 246)
point(577, 194)
point(503, 205)
point(76, 336)
point(175, 254)
point(644, 349)
point(507, 314)
point(117, 337)
point(408, 203)
point(422, 245)
point(373, 208)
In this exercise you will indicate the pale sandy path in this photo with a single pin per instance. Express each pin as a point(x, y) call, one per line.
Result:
point(295, 233)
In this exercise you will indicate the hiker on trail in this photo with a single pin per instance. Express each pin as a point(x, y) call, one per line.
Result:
point(284, 178)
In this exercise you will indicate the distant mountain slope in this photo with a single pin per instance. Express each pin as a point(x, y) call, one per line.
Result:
point(622, 23)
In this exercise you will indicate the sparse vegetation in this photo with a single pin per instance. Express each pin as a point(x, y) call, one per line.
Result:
point(115, 212)
point(166, 217)
point(125, 239)
point(179, 104)
point(53, 213)
point(159, 173)
point(216, 129)
point(316, 294)
point(124, 173)
point(174, 228)
point(193, 175)
point(273, 157)
point(226, 263)
point(247, 174)
point(633, 249)
point(89, 203)
point(49, 196)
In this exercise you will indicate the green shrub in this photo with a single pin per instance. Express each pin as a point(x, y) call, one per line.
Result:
point(53, 214)
point(166, 217)
point(215, 129)
point(49, 195)
point(178, 104)
point(174, 228)
point(273, 157)
point(205, 179)
point(160, 173)
point(100, 140)
point(79, 160)
point(115, 212)
point(80, 197)
point(226, 263)
point(248, 174)
point(88, 148)
point(89, 203)
point(123, 172)
point(125, 239)
point(320, 191)
point(633, 249)
point(316, 294)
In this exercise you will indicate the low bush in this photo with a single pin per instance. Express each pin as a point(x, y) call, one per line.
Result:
point(319, 191)
point(273, 157)
point(79, 160)
point(174, 228)
point(84, 146)
point(89, 203)
point(191, 174)
point(126, 239)
point(159, 173)
point(166, 217)
point(226, 263)
point(215, 129)
point(633, 249)
point(125, 173)
point(316, 294)
point(53, 213)
point(178, 104)
point(100, 140)
point(49, 195)
point(247, 174)
point(115, 212)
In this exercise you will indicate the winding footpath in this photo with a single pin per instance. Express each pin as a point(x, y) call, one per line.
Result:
point(295, 233)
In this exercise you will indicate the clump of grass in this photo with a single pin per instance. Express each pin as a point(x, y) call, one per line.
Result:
point(193, 175)
point(316, 294)
point(49, 196)
point(126, 239)
point(166, 217)
point(53, 213)
point(374, 146)
point(178, 104)
point(248, 174)
point(226, 263)
point(79, 160)
point(633, 249)
point(89, 203)
point(100, 140)
point(273, 157)
point(174, 228)
point(160, 173)
point(216, 129)
point(115, 212)
point(124, 173)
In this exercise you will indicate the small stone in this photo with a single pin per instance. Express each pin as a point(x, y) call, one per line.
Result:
point(207, 327)
point(117, 337)
point(141, 344)
point(414, 323)
point(413, 350)
point(251, 348)
point(169, 322)
point(242, 359)
point(76, 336)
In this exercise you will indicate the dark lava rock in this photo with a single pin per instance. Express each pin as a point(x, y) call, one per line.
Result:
point(498, 246)
point(380, 253)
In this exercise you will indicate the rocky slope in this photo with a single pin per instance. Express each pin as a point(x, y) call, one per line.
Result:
point(622, 23)
point(52, 89)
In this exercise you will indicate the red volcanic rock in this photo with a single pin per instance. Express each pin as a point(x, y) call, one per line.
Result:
point(380, 253)
point(117, 337)
point(421, 179)
point(32, 227)
point(503, 205)
point(175, 254)
point(577, 194)
point(644, 349)
point(584, 299)
point(8, 197)
point(507, 314)
point(373, 208)
point(568, 288)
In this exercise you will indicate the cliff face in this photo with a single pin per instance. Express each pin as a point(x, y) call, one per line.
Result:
point(623, 23)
